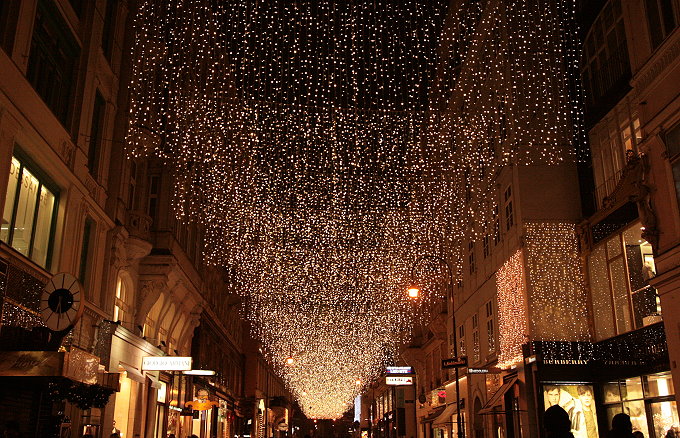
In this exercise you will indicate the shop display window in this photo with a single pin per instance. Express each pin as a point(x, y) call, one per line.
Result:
point(579, 402)
point(647, 399)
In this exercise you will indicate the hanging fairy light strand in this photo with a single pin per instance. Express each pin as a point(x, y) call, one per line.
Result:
point(306, 140)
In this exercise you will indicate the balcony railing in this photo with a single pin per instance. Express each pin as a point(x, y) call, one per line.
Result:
point(607, 188)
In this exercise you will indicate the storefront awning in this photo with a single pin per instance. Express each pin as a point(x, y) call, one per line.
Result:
point(493, 401)
point(444, 419)
point(432, 415)
point(133, 373)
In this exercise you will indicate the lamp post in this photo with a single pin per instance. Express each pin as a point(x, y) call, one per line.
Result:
point(414, 292)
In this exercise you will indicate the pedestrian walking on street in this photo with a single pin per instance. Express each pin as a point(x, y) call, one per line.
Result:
point(556, 423)
point(621, 427)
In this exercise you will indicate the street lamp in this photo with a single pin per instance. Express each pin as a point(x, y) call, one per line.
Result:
point(414, 292)
point(290, 360)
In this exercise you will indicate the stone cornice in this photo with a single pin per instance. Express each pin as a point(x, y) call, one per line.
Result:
point(668, 53)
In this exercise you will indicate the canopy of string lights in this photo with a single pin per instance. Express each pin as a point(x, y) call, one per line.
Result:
point(324, 146)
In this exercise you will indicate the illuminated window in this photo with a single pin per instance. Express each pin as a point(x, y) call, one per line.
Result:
point(30, 207)
point(619, 272)
point(121, 308)
point(648, 399)
point(614, 144)
point(461, 340)
point(148, 327)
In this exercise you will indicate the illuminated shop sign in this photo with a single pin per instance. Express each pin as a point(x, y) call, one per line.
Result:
point(399, 380)
point(166, 363)
point(399, 370)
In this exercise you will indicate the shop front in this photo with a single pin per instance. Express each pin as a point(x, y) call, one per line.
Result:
point(648, 399)
point(57, 393)
point(141, 406)
point(628, 374)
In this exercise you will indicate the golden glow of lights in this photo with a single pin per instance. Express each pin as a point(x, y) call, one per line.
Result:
point(557, 293)
point(300, 137)
point(513, 327)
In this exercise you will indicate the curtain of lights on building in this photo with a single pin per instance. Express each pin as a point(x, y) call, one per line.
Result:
point(324, 146)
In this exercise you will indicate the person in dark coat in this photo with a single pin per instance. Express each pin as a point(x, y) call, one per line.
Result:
point(621, 427)
point(556, 423)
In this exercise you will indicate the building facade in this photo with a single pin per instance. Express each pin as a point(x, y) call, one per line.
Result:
point(566, 287)
point(74, 203)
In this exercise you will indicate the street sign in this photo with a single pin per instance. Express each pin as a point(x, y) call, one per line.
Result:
point(455, 362)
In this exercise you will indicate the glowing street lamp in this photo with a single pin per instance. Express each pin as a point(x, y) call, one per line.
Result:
point(290, 360)
point(413, 292)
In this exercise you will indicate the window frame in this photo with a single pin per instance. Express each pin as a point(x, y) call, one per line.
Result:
point(609, 261)
point(44, 180)
point(661, 22)
point(58, 32)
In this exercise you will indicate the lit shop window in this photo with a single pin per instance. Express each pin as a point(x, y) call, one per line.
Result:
point(27, 219)
point(649, 400)
point(619, 272)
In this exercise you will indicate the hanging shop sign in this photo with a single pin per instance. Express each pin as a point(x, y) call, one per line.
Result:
point(31, 363)
point(166, 363)
point(455, 362)
point(399, 370)
point(399, 380)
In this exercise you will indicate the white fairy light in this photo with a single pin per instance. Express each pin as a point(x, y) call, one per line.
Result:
point(299, 137)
